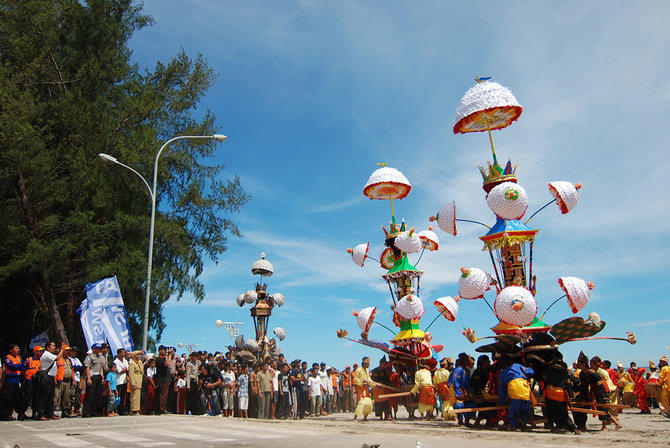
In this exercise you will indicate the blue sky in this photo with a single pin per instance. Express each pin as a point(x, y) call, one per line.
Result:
point(312, 94)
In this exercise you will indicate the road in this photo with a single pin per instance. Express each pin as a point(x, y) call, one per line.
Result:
point(336, 430)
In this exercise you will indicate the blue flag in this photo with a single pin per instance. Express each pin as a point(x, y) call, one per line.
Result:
point(103, 315)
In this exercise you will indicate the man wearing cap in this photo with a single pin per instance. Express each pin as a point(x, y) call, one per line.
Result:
point(361, 382)
point(11, 391)
point(664, 382)
point(95, 369)
point(47, 380)
point(63, 384)
point(29, 384)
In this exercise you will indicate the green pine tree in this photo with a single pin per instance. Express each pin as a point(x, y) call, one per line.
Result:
point(68, 92)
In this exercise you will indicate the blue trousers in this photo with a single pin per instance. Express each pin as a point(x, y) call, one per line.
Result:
point(463, 405)
point(518, 409)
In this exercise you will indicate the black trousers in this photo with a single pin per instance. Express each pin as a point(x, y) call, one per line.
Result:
point(282, 405)
point(557, 414)
point(124, 406)
point(29, 396)
point(47, 388)
point(93, 403)
point(11, 399)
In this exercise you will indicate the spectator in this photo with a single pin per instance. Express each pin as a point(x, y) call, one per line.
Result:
point(149, 379)
point(243, 392)
point(11, 390)
point(135, 377)
point(314, 392)
point(95, 371)
point(163, 377)
point(264, 379)
point(121, 369)
point(209, 381)
point(227, 394)
point(47, 380)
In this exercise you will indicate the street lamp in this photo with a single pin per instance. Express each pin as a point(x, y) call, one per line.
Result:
point(152, 193)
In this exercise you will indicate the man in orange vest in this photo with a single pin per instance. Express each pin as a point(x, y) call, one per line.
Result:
point(29, 388)
point(11, 391)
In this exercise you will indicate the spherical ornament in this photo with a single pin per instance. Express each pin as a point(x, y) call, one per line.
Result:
point(180, 345)
point(250, 296)
point(577, 290)
point(410, 307)
point(365, 317)
point(408, 242)
point(473, 283)
point(359, 253)
point(218, 322)
point(429, 239)
point(280, 333)
point(508, 200)
point(566, 194)
point(387, 183)
point(515, 305)
point(448, 307)
point(278, 298)
point(239, 342)
point(446, 218)
point(251, 345)
point(240, 300)
point(262, 267)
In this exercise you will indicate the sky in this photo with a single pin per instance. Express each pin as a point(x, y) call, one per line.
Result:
point(313, 94)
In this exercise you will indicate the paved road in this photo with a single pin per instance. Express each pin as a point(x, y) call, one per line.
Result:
point(332, 431)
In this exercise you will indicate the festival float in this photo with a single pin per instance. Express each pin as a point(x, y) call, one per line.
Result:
point(509, 241)
point(410, 343)
point(260, 347)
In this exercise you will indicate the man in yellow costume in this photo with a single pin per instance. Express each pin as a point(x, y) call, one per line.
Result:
point(361, 382)
point(664, 382)
point(441, 384)
point(423, 384)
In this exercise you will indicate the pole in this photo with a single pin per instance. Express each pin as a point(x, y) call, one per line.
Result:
point(151, 233)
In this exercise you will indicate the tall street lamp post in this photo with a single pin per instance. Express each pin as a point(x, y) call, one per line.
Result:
point(152, 193)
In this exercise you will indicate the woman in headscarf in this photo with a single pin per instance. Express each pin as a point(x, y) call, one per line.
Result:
point(135, 376)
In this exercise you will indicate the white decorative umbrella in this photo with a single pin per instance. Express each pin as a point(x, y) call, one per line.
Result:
point(251, 345)
point(387, 183)
point(429, 239)
point(446, 218)
point(262, 267)
point(473, 283)
point(408, 241)
point(278, 298)
point(577, 290)
point(485, 107)
point(280, 333)
point(566, 194)
point(250, 296)
point(240, 300)
point(359, 253)
point(365, 317)
point(448, 307)
point(410, 307)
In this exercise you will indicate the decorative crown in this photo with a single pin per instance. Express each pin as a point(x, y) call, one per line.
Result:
point(495, 174)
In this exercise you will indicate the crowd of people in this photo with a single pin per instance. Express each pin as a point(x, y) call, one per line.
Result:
point(498, 392)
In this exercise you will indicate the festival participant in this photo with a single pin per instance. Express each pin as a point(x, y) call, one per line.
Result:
point(590, 377)
point(652, 387)
point(29, 384)
point(47, 381)
point(639, 390)
point(460, 381)
point(478, 382)
point(393, 401)
point(135, 376)
point(381, 376)
point(361, 382)
point(423, 384)
point(513, 384)
point(557, 392)
point(664, 382)
point(11, 389)
point(441, 384)
point(625, 384)
point(610, 388)
point(347, 388)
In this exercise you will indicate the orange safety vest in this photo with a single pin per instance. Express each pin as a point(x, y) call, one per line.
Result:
point(60, 365)
point(15, 360)
point(346, 382)
point(32, 368)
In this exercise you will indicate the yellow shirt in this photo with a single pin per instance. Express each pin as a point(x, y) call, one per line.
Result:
point(607, 381)
point(421, 378)
point(664, 378)
point(441, 376)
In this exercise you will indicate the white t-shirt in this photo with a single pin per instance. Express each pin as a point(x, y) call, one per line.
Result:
point(275, 381)
point(76, 375)
point(314, 384)
point(181, 383)
point(323, 375)
point(119, 365)
point(49, 359)
point(151, 371)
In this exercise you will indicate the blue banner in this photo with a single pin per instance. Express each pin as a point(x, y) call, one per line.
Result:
point(103, 315)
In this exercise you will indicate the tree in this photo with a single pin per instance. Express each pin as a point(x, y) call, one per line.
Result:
point(68, 92)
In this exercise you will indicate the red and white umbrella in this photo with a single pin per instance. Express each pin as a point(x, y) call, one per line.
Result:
point(485, 107)
point(577, 290)
point(515, 305)
point(408, 242)
point(508, 200)
point(365, 317)
point(387, 183)
point(473, 283)
point(359, 253)
point(446, 218)
point(410, 307)
point(429, 239)
point(448, 307)
point(566, 194)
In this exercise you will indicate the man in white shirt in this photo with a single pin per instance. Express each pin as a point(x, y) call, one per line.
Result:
point(323, 375)
point(121, 369)
point(48, 370)
point(314, 392)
